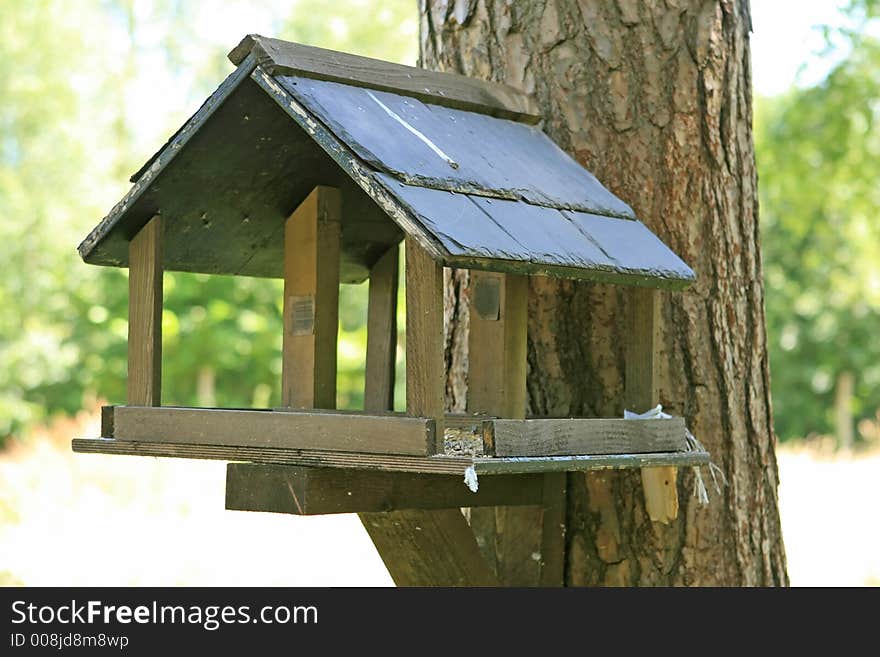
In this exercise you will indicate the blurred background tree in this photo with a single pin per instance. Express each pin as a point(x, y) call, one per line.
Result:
point(89, 90)
point(818, 151)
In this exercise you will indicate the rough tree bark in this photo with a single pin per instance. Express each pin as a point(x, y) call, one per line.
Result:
point(654, 97)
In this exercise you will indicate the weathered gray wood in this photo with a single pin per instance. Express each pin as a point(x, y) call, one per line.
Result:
point(585, 462)
point(641, 394)
point(425, 363)
point(642, 347)
point(315, 491)
point(529, 238)
point(107, 421)
point(145, 315)
point(497, 344)
point(311, 301)
point(415, 144)
point(304, 457)
point(569, 437)
point(289, 430)
point(524, 544)
point(382, 333)
point(448, 89)
point(553, 508)
point(408, 541)
point(222, 190)
point(440, 548)
point(437, 464)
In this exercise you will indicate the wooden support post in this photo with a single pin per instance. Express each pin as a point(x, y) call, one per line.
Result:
point(382, 333)
point(145, 315)
point(419, 548)
point(524, 545)
point(425, 363)
point(642, 347)
point(497, 344)
point(311, 301)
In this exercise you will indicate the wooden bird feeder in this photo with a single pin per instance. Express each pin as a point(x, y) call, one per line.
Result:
point(312, 166)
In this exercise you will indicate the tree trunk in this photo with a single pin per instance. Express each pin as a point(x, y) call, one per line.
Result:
point(654, 98)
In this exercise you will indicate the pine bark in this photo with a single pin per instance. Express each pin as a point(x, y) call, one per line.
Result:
point(654, 97)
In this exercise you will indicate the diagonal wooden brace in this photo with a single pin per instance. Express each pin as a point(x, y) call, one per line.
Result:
point(419, 547)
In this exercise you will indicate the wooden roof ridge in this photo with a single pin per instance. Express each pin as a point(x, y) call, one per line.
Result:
point(279, 57)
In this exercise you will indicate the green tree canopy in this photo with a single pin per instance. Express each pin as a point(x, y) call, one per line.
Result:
point(818, 152)
point(78, 114)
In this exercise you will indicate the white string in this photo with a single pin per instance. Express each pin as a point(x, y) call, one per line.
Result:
point(470, 479)
point(693, 444)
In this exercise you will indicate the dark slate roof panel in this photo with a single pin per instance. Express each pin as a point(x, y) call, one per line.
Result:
point(631, 246)
point(451, 149)
point(457, 222)
point(551, 237)
point(470, 226)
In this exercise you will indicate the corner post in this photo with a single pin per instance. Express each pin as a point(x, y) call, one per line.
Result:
point(145, 315)
point(382, 333)
point(311, 301)
point(511, 537)
point(425, 361)
point(642, 394)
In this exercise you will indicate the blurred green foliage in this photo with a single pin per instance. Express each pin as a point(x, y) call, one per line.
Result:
point(89, 89)
point(818, 153)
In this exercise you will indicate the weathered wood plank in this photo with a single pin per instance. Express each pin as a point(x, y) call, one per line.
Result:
point(585, 462)
point(315, 491)
point(642, 346)
point(382, 333)
point(290, 430)
point(448, 89)
point(311, 301)
point(107, 421)
point(303, 457)
point(91, 249)
point(497, 344)
point(553, 506)
point(523, 545)
point(145, 315)
point(437, 464)
point(434, 548)
point(569, 437)
point(641, 394)
point(425, 363)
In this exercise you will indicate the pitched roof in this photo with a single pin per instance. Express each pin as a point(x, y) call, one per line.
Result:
point(458, 164)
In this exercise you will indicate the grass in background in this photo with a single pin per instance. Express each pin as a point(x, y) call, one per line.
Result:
point(82, 519)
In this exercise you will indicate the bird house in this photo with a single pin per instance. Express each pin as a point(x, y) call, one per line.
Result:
point(313, 166)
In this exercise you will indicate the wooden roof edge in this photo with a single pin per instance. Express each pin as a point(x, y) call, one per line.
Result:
point(660, 280)
point(159, 160)
point(279, 57)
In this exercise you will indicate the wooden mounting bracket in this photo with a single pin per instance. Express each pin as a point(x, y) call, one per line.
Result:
point(524, 545)
point(642, 374)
